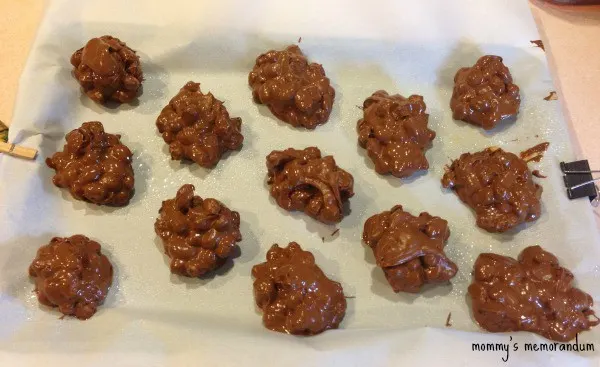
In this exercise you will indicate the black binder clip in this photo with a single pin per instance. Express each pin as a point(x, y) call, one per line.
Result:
point(579, 181)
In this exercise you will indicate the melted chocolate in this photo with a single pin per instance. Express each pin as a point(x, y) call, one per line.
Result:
point(498, 186)
point(197, 127)
point(532, 294)
point(198, 234)
point(484, 94)
point(394, 131)
point(296, 91)
point(535, 153)
point(72, 274)
point(303, 180)
point(108, 70)
point(409, 249)
point(95, 166)
point(294, 294)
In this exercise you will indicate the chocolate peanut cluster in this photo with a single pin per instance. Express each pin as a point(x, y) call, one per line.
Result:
point(296, 91)
point(485, 94)
point(197, 127)
point(498, 186)
point(409, 249)
point(533, 293)
point(108, 70)
point(199, 235)
point(72, 274)
point(303, 180)
point(394, 131)
point(95, 166)
point(294, 294)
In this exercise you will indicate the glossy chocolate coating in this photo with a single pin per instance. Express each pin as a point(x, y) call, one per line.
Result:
point(296, 91)
point(197, 127)
point(533, 293)
point(294, 294)
point(108, 70)
point(409, 249)
point(498, 186)
point(303, 180)
point(394, 131)
point(485, 94)
point(72, 274)
point(95, 166)
point(198, 234)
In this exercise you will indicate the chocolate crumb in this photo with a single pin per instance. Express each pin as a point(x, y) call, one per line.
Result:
point(448, 323)
point(323, 239)
point(299, 39)
point(535, 153)
point(538, 43)
point(335, 232)
point(538, 174)
point(551, 97)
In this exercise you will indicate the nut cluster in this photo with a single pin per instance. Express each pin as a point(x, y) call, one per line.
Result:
point(198, 234)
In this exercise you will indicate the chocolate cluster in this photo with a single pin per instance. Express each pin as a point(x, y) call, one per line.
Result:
point(294, 294)
point(533, 293)
point(484, 94)
point(108, 70)
point(394, 131)
point(498, 186)
point(409, 249)
point(72, 274)
point(95, 166)
point(199, 235)
point(197, 127)
point(303, 180)
point(296, 91)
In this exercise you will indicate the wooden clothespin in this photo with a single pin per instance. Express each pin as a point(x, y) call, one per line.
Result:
point(18, 151)
point(12, 149)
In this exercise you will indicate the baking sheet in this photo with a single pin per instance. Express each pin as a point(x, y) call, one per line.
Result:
point(154, 318)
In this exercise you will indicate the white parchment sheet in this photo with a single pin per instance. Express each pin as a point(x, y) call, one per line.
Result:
point(152, 318)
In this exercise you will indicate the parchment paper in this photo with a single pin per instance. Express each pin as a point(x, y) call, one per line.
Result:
point(154, 318)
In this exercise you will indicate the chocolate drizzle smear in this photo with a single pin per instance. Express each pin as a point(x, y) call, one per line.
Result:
point(538, 43)
point(551, 97)
point(448, 323)
point(535, 153)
